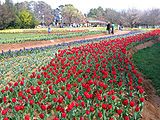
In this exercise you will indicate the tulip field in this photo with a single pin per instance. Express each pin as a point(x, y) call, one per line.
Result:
point(23, 62)
point(82, 80)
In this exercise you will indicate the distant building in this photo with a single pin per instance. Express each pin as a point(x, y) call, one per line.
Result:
point(96, 23)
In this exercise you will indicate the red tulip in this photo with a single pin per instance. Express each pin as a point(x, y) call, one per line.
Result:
point(132, 103)
point(6, 118)
point(4, 99)
point(14, 100)
point(31, 102)
point(63, 115)
point(99, 114)
point(4, 112)
point(142, 99)
point(137, 109)
point(27, 117)
point(43, 107)
point(119, 111)
point(125, 102)
point(41, 115)
point(126, 118)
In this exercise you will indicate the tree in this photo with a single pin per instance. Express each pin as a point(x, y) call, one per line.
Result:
point(112, 15)
point(92, 13)
point(7, 16)
point(41, 10)
point(2, 14)
point(22, 6)
point(130, 17)
point(150, 17)
point(27, 20)
point(70, 15)
point(97, 13)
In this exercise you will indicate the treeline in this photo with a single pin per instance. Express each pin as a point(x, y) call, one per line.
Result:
point(29, 14)
point(24, 14)
point(12, 17)
point(130, 17)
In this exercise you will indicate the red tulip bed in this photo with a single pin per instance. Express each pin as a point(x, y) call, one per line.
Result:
point(96, 81)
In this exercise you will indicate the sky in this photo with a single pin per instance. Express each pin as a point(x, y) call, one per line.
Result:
point(86, 5)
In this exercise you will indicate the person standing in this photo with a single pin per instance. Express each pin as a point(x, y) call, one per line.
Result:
point(112, 28)
point(118, 27)
point(49, 29)
point(109, 27)
point(121, 27)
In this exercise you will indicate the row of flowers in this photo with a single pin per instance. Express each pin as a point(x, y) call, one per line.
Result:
point(44, 30)
point(62, 45)
point(15, 63)
point(92, 81)
point(21, 37)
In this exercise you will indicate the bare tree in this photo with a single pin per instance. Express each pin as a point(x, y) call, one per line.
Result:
point(130, 17)
point(7, 14)
point(70, 14)
point(112, 15)
point(150, 17)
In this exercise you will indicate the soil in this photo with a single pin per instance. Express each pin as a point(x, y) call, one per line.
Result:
point(33, 44)
point(151, 109)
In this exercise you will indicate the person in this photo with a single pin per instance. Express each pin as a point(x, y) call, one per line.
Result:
point(121, 26)
point(49, 29)
point(118, 27)
point(108, 27)
point(112, 28)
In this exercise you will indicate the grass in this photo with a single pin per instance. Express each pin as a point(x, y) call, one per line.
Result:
point(148, 62)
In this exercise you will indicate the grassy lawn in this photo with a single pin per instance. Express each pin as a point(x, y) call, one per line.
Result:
point(148, 62)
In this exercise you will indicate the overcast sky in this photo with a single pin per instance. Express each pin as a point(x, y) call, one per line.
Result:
point(86, 5)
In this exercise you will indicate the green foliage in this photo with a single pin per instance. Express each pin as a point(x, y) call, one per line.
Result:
point(13, 18)
point(27, 20)
point(148, 62)
point(97, 13)
point(19, 15)
point(108, 14)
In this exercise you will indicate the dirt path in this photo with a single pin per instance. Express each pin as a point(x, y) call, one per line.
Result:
point(151, 110)
point(33, 44)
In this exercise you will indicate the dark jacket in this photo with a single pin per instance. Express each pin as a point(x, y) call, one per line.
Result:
point(108, 26)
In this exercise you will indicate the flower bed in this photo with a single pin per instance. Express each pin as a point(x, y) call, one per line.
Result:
point(44, 30)
point(93, 81)
point(17, 63)
point(22, 37)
